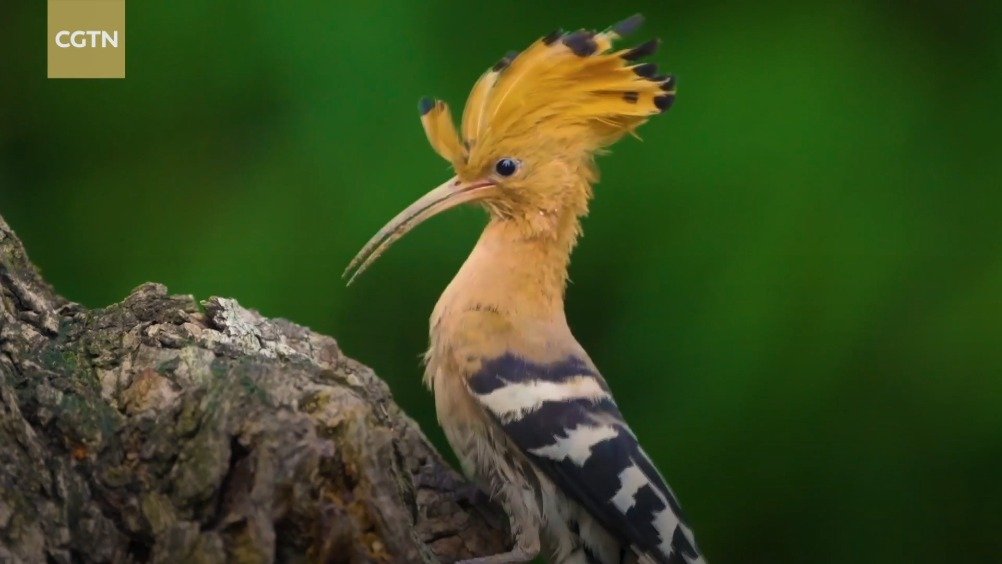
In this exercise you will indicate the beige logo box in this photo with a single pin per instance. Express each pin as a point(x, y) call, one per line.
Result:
point(86, 39)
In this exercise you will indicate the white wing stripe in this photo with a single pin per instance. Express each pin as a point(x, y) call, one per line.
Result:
point(631, 480)
point(516, 400)
point(577, 444)
point(665, 521)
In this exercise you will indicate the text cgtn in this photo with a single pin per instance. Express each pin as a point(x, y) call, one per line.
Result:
point(82, 39)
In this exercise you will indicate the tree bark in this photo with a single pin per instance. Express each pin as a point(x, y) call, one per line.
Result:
point(164, 430)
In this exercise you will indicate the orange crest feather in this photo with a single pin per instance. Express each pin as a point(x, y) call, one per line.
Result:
point(567, 84)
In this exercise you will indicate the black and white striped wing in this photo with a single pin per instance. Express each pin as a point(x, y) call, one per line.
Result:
point(562, 416)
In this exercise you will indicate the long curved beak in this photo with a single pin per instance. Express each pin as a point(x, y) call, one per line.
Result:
point(446, 196)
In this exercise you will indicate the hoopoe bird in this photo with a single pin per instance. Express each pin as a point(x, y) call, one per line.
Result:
point(529, 416)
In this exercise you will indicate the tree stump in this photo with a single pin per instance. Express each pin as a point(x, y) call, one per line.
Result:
point(161, 429)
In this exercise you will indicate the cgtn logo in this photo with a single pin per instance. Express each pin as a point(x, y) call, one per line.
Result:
point(86, 39)
point(79, 39)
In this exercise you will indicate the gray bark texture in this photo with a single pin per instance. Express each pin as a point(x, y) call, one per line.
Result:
point(164, 430)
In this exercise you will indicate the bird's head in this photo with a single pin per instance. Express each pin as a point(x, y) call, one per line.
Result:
point(531, 128)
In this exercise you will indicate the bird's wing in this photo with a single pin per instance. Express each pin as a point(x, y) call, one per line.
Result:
point(562, 416)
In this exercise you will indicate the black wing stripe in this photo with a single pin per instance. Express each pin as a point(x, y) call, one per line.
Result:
point(586, 448)
point(648, 468)
point(508, 368)
point(553, 419)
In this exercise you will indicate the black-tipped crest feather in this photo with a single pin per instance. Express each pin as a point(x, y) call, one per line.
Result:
point(628, 26)
point(663, 103)
point(643, 50)
point(425, 104)
point(646, 70)
point(581, 42)
point(505, 61)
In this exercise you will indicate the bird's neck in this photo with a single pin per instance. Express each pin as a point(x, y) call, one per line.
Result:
point(517, 269)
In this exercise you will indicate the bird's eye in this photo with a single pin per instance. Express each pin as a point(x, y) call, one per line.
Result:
point(506, 166)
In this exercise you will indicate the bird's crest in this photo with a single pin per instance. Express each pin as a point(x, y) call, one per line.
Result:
point(572, 85)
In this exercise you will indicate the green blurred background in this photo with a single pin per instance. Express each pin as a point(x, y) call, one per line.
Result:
point(793, 284)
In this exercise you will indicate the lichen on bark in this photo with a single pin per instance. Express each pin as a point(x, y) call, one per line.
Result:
point(161, 429)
